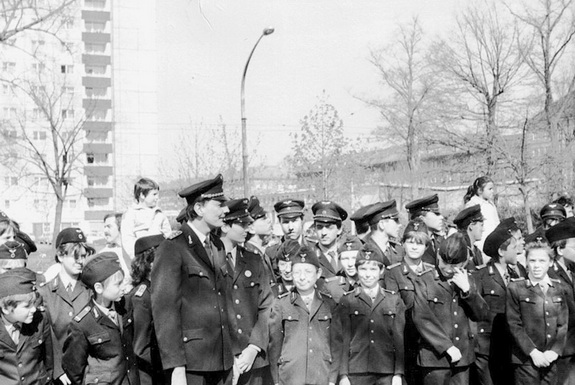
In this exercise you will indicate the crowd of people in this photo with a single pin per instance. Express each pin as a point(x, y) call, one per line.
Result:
point(218, 300)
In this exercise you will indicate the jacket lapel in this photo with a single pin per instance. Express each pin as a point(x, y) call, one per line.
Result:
point(196, 246)
point(5, 337)
point(240, 264)
point(494, 273)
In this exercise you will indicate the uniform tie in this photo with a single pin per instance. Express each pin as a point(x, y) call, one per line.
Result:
point(69, 288)
point(511, 270)
point(208, 248)
point(231, 260)
point(506, 278)
point(333, 260)
point(544, 287)
point(15, 333)
point(113, 316)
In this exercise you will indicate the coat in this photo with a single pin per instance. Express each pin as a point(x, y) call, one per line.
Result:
point(568, 278)
point(189, 303)
point(305, 345)
point(393, 254)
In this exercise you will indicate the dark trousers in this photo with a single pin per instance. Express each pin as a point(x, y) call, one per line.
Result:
point(446, 376)
point(491, 370)
point(370, 379)
point(221, 377)
point(259, 376)
point(529, 374)
point(566, 370)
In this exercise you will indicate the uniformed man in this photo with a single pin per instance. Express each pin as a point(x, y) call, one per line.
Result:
point(469, 222)
point(286, 252)
point(551, 214)
point(427, 209)
point(305, 345)
point(189, 280)
point(359, 220)
point(348, 249)
point(493, 342)
point(258, 236)
point(510, 225)
point(383, 220)
point(562, 239)
point(446, 299)
point(327, 218)
point(251, 297)
point(66, 295)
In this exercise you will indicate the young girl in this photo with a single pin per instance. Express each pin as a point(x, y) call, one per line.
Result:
point(481, 193)
point(8, 230)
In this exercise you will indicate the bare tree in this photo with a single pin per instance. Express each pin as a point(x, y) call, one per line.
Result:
point(407, 84)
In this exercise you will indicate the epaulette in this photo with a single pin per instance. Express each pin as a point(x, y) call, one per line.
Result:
point(174, 234)
point(393, 265)
point(349, 292)
point(141, 290)
point(325, 294)
point(517, 279)
point(555, 280)
point(283, 295)
point(82, 314)
point(42, 284)
point(480, 267)
point(388, 291)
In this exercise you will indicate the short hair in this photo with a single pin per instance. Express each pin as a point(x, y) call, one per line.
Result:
point(418, 236)
point(144, 186)
point(337, 223)
point(142, 265)
point(360, 262)
point(10, 302)
point(118, 217)
point(190, 212)
point(560, 244)
point(504, 246)
point(6, 224)
point(533, 247)
point(73, 248)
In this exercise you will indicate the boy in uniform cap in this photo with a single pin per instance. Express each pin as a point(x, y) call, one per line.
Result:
point(12, 255)
point(65, 295)
point(189, 287)
point(360, 221)
point(446, 299)
point(562, 240)
point(493, 344)
point(286, 252)
point(551, 214)
point(98, 348)
point(305, 343)
point(25, 340)
point(469, 222)
point(427, 209)
point(348, 250)
point(537, 316)
point(250, 297)
point(258, 236)
point(510, 225)
point(327, 218)
point(383, 219)
point(139, 309)
point(373, 322)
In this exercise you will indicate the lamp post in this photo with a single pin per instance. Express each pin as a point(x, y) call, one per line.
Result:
point(267, 31)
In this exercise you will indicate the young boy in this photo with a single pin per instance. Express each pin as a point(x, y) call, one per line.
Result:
point(144, 217)
point(284, 256)
point(372, 321)
point(65, 295)
point(537, 315)
point(348, 251)
point(469, 222)
point(445, 301)
point(305, 345)
point(25, 341)
point(98, 348)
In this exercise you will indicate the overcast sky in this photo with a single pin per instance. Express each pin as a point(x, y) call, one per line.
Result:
point(317, 45)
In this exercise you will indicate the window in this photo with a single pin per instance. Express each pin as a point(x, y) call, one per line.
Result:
point(40, 203)
point(37, 90)
point(72, 203)
point(37, 44)
point(97, 4)
point(36, 113)
point(10, 112)
point(95, 26)
point(38, 67)
point(7, 204)
point(90, 158)
point(11, 134)
point(39, 135)
point(11, 180)
point(47, 227)
point(67, 114)
point(95, 91)
point(68, 90)
point(67, 46)
point(67, 69)
point(95, 70)
point(8, 66)
point(96, 115)
point(68, 23)
point(92, 202)
point(95, 47)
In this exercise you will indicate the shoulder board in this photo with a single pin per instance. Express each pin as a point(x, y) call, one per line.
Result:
point(480, 267)
point(388, 291)
point(42, 284)
point(174, 234)
point(518, 279)
point(426, 271)
point(349, 292)
point(428, 265)
point(393, 265)
point(283, 295)
point(325, 294)
point(555, 280)
point(82, 314)
point(141, 290)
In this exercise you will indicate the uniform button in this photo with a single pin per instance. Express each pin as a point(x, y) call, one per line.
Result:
point(406, 288)
point(215, 307)
point(546, 313)
point(372, 321)
point(456, 326)
point(39, 342)
point(390, 312)
point(547, 324)
point(324, 317)
point(356, 312)
point(454, 313)
point(372, 331)
point(219, 293)
point(492, 291)
point(526, 299)
point(548, 335)
point(252, 284)
point(70, 314)
point(289, 316)
point(237, 301)
point(546, 301)
point(22, 378)
point(435, 300)
point(96, 380)
point(372, 341)
point(311, 350)
point(201, 273)
point(456, 338)
point(310, 328)
point(454, 300)
point(239, 316)
point(222, 326)
point(185, 339)
point(235, 287)
point(99, 340)
point(481, 330)
point(19, 365)
point(240, 331)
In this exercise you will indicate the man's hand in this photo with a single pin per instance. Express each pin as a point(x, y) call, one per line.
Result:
point(64, 379)
point(235, 372)
point(179, 376)
point(550, 355)
point(246, 358)
point(397, 379)
point(539, 359)
point(461, 279)
point(454, 354)
point(344, 380)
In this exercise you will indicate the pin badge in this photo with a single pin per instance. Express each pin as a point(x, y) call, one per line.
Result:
point(248, 273)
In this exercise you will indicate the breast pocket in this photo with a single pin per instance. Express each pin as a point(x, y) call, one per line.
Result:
point(197, 276)
point(99, 343)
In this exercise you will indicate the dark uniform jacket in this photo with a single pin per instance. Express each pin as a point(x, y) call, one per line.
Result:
point(145, 344)
point(29, 363)
point(393, 254)
point(272, 251)
point(268, 266)
point(62, 307)
point(189, 303)
point(430, 254)
point(441, 313)
point(279, 288)
point(305, 345)
point(567, 277)
point(251, 300)
point(475, 256)
point(97, 351)
point(536, 320)
point(401, 279)
point(372, 333)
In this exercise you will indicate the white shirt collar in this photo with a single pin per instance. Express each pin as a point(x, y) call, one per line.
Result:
point(105, 310)
point(200, 235)
point(67, 280)
point(546, 280)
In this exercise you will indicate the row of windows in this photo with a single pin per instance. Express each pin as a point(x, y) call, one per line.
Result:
point(38, 68)
point(36, 113)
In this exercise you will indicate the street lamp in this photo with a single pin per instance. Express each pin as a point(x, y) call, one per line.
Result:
point(267, 31)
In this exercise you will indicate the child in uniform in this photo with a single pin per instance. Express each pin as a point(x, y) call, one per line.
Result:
point(305, 340)
point(25, 341)
point(98, 348)
point(372, 321)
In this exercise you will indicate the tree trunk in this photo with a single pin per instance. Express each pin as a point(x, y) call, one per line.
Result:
point(57, 217)
point(527, 209)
